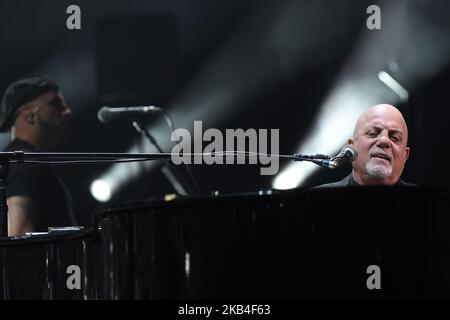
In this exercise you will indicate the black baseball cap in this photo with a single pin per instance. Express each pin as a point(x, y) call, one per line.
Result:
point(19, 92)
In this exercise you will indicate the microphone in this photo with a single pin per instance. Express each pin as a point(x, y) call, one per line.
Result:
point(107, 114)
point(347, 154)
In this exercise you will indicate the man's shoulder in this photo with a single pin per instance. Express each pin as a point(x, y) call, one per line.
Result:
point(406, 184)
point(24, 175)
point(19, 145)
point(341, 183)
point(347, 181)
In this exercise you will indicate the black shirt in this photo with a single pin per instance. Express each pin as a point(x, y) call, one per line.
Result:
point(348, 181)
point(43, 185)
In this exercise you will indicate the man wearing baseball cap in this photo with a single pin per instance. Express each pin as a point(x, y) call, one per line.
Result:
point(35, 113)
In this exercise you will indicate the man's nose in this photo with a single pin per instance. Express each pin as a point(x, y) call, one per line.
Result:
point(67, 113)
point(383, 141)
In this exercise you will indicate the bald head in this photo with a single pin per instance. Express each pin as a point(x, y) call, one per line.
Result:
point(386, 111)
point(381, 137)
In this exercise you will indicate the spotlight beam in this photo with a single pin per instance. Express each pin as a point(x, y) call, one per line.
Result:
point(388, 80)
point(415, 44)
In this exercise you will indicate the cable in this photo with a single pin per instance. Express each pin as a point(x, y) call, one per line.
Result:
point(82, 161)
point(218, 153)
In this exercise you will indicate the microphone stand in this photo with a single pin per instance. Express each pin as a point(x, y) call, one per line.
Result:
point(167, 171)
point(6, 158)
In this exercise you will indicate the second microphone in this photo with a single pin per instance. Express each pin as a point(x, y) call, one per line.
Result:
point(108, 114)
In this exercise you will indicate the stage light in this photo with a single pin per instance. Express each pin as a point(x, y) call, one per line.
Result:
point(239, 73)
point(101, 190)
point(333, 128)
point(388, 80)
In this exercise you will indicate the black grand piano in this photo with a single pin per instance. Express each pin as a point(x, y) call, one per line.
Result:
point(298, 244)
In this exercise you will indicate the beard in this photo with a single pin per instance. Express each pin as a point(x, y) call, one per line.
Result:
point(378, 171)
point(59, 133)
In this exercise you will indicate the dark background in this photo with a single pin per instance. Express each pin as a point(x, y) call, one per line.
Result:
point(231, 63)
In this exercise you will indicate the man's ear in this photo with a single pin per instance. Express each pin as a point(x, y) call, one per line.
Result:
point(408, 151)
point(28, 113)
